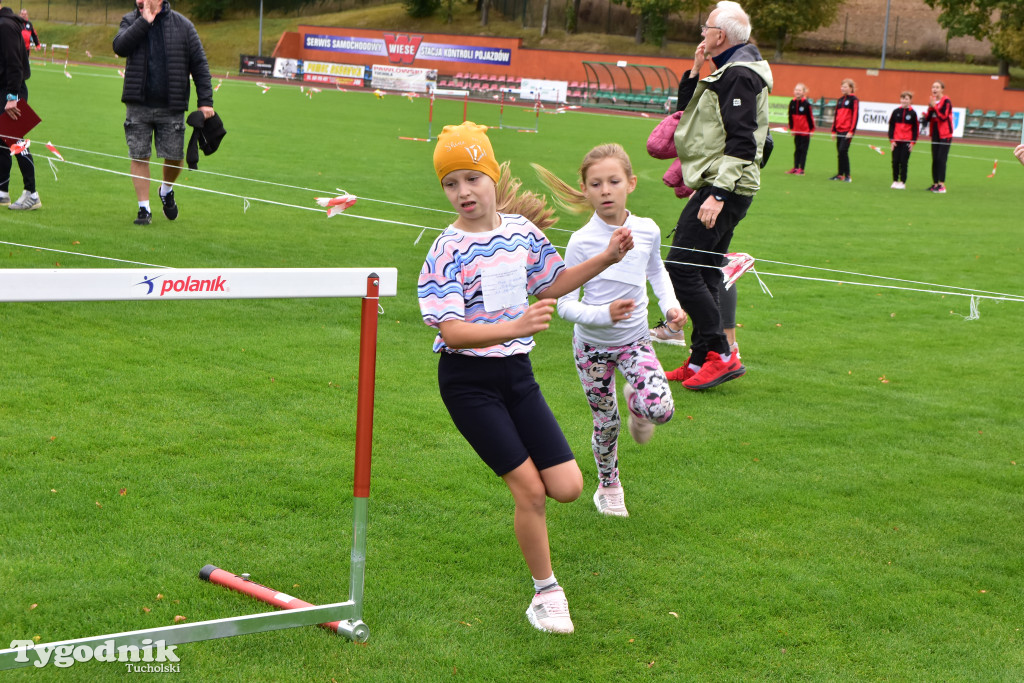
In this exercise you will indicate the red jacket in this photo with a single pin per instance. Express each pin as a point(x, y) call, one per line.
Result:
point(939, 118)
point(847, 113)
point(903, 125)
point(801, 119)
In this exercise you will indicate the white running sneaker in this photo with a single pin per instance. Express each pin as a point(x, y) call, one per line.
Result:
point(662, 333)
point(895, 185)
point(610, 501)
point(26, 202)
point(901, 186)
point(549, 611)
point(640, 428)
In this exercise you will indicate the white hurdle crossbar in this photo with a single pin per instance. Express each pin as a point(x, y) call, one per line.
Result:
point(133, 284)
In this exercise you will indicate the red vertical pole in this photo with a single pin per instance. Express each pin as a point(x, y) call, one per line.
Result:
point(367, 377)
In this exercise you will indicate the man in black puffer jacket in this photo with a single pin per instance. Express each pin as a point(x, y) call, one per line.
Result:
point(162, 49)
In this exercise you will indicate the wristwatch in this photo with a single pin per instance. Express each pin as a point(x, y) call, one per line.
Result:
point(718, 196)
point(11, 97)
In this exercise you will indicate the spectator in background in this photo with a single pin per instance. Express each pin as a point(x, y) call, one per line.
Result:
point(29, 33)
point(844, 125)
point(162, 49)
point(801, 125)
point(939, 119)
point(902, 136)
point(14, 71)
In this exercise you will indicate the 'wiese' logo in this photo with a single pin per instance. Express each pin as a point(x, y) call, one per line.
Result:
point(187, 284)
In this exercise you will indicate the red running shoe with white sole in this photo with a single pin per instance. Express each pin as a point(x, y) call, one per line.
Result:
point(715, 371)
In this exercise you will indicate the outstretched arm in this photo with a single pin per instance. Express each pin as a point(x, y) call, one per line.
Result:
point(576, 276)
point(459, 334)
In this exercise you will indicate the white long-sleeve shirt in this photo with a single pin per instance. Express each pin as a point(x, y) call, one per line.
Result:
point(625, 280)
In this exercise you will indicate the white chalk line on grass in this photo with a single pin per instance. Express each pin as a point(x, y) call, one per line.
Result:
point(77, 253)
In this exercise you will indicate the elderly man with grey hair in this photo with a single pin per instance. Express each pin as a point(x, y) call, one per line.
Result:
point(721, 142)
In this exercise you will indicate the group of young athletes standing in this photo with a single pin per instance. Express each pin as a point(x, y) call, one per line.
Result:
point(904, 124)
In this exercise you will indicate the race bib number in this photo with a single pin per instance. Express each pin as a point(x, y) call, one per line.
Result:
point(504, 286)
point(630, 270)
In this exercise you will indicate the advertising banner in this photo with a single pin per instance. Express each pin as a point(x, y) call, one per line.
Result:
point(404, 78)
point(406, 49)
point(548, 91)
point(874, 116)
point(256, 66)
point(335, 74)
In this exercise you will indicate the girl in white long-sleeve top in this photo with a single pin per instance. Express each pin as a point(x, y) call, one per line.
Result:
point(611, 329)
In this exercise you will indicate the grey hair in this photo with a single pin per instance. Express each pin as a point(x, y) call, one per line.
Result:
point(733, 21)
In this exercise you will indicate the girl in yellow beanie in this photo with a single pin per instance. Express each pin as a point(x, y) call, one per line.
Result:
point(474, 288)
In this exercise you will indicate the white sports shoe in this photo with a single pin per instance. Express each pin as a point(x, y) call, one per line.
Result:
point(26, 202)
point(661, 333)
point(895, 185)
point(639, 428)
point(549, 611)
point(610, 501)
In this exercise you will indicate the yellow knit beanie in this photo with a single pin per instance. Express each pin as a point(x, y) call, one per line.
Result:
point(465, 147)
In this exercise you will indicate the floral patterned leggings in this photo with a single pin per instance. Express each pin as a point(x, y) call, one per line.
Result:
point(652, 401)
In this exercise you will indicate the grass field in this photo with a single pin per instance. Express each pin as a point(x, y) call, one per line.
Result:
point(849, 510)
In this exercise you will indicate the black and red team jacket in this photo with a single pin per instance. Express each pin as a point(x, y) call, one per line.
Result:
point(903, 125)
point(801, 120)
point(939, 118)
point(847, 111)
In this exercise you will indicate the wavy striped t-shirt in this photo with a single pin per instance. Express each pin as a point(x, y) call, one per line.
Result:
point(485, 277)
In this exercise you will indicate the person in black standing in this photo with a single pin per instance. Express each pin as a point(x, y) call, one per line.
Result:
point(844, 125)
point(939, 119)
point(902, 136)
point(162, 49)
point(801, 125)
point(14, 71)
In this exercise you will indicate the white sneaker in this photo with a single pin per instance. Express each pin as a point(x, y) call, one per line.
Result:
point(5, 198)
point(895, 185)
point(662, 333)
point(639, 428)
point(610, 501)
point(900, 186)
point(549, 611)
point(26, 202)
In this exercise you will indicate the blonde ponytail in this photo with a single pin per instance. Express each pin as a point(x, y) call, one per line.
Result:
point(565, 195)
point(510, 198)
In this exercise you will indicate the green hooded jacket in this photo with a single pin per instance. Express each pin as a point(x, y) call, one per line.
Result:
point(721, 135)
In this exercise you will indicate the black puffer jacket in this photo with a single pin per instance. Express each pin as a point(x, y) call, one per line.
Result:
point(183, 55)
point(14, 67)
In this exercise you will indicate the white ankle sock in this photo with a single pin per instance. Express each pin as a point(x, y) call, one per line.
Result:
point(144, 205)
point(542, 584)
point(165, 188)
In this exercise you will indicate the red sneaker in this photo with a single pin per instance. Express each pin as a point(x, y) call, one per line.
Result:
point(714, 372)
point(799, 171)
point(792, 171)
point(682, 373)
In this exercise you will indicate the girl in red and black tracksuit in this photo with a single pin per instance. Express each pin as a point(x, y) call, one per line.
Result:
point(902, 136)
point(844, 126)
point(939, 118)
point(801, 125)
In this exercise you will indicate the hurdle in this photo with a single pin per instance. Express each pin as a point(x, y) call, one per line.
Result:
point(521, 129)
point(135, 284)
point(66, 49)
point(464, 94)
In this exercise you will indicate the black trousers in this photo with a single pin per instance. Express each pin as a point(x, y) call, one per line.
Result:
point(900, 161)
point(843, 151)
point(940, 153)
point(800, 145)
point(693, 265)
point(25, 161)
